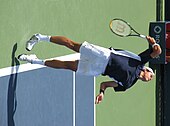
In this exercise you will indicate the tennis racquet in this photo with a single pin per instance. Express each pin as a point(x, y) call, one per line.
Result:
point(123, 28)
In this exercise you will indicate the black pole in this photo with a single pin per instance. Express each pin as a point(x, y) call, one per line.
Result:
point(163, 74)
point(159, 10)
point(167, 10)
point(160, 75)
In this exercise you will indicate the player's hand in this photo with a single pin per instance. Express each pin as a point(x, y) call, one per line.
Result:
point(155, 47)
point(151, 40)
point(99, 98)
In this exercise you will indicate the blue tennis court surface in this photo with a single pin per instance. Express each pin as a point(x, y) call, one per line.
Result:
point(45, 96)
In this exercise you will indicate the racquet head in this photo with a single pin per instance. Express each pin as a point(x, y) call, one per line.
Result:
point(120, 27)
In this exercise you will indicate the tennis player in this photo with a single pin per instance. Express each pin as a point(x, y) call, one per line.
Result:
point(123, 67)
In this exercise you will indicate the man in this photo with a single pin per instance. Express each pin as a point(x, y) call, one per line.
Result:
point(124, 67)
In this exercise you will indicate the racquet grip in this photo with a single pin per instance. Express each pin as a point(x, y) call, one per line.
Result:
point(143, 36)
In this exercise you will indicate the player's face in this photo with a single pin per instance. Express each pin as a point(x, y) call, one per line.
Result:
point(147, 76)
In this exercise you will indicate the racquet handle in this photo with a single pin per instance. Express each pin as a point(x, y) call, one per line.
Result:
point(143, 36)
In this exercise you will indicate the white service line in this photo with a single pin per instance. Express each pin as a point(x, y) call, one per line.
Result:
point(27, 67)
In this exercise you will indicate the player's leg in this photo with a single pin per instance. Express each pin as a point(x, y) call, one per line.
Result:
point(61, 40)
point(71, 65)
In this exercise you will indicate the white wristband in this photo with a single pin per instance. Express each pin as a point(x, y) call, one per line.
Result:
point(155, 45)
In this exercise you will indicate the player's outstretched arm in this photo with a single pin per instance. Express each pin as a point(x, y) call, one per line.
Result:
point(103, 87)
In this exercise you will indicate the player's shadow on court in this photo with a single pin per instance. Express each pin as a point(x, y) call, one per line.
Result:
point(11, 98)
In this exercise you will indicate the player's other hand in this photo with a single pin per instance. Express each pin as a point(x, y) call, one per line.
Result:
point(99, 98)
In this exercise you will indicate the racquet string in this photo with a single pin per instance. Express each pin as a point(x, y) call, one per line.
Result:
point(120, 28)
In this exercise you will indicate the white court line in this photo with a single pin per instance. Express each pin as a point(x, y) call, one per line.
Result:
point(74, 99)
point(27, 67)
point(94, 112)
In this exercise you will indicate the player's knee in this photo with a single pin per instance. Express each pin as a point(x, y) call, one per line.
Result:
point(71, 65)
point(68, 43)
point(73, 45)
